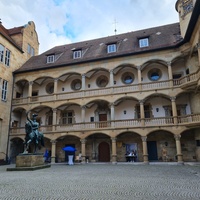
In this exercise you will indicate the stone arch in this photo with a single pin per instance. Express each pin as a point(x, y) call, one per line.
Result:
point(161, 145)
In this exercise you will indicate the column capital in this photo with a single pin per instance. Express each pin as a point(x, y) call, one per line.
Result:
point(173, 98)
point(31, 83)
point(83, 141)
point(54, 110)
point(55, 79)
point(169, 63)
point(83, 75)
point(111, 71)
point(144, 138)
point(139, 67)
point(53, 141)
point(141, 101)
point(177, 137)
point(114, 139)
point(112, 104)
point(83, 107)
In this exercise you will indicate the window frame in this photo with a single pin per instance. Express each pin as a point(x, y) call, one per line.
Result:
point(111, 48)
point(66, 118)
point(7, 57)
point(4, 90)
point(29, 49)
point(143, 42)
point(2, 53)
point(77, 54)
point(51, 58)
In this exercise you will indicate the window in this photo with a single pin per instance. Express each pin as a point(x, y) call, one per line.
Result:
point(154, 74)
point(77, 54)
point(147, 111)
point(32, 51)
point(1, 52)
point(50, 58)
point(111, 48)
point(50, 88)
point(144, 42)
point(127, 78)
point(4, 90)
point(76, 84)
point(67, 117)
point(29, 49)
point(102, 81)
point(7, 58)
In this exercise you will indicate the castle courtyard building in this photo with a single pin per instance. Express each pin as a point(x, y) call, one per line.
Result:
point(133, 92)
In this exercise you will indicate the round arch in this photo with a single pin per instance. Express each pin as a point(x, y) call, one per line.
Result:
point(154, 61)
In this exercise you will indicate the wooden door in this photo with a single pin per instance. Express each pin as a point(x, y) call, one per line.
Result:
point(104, 152)
point(102, 120)
point(152, 150)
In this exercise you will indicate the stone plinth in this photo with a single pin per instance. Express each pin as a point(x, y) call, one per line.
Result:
point(29, 160)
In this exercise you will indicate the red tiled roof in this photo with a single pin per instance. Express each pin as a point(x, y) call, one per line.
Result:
point(7, 34)
point(127, 44)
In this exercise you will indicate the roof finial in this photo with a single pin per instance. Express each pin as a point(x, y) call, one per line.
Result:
point(115, 22)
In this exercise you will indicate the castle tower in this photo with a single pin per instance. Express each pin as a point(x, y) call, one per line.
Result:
point(184, 8)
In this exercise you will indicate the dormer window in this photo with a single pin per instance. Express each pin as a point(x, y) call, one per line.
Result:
point(50, 58)
point(144, 42)
point(77, 54)
point(111, 48)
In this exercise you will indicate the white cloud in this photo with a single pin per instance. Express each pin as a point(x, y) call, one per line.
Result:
point(63, 21)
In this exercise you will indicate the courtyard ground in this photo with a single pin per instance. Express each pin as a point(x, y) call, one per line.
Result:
point(102, 182)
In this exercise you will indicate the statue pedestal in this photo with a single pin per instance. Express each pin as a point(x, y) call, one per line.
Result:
point(29, 162)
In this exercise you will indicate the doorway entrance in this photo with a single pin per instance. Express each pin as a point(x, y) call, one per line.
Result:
point(104, 152)
point(152, 150)
point(102, 120)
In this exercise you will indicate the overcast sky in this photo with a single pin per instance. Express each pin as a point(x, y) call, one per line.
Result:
point(61, 22)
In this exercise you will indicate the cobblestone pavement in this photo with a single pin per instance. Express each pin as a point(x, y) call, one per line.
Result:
point(102, 182)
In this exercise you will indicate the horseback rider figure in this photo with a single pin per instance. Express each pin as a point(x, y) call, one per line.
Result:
point(32, 133)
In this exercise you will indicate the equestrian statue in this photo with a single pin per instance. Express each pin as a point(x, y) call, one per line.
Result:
point(32, 134)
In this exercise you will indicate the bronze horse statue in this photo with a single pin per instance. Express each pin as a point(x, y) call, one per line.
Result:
point(33, 135)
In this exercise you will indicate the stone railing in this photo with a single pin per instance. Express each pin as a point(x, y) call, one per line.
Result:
point(122, 124)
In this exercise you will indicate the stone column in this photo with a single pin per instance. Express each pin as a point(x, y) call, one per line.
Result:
point(111, 78)
point(54, 119)
point(55, 88)
point(112, 110)
point(114, 151)
point(83, 114)
point(53, 151)
point(139, 78)
point(178, 149)
point(142, 117)
point(83, 142)
point(83, 82)
point(30, 88)
point(174, 110)
point(170, 74)
point(145, 151)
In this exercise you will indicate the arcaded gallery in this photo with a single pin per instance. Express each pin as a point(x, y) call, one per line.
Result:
point(133, 92)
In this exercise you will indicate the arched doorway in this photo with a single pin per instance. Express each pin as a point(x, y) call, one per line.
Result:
point(104, 152)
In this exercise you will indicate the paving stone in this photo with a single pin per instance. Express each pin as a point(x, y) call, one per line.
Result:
point(102, 182)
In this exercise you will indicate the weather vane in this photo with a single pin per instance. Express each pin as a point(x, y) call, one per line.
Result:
point(115, 23)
